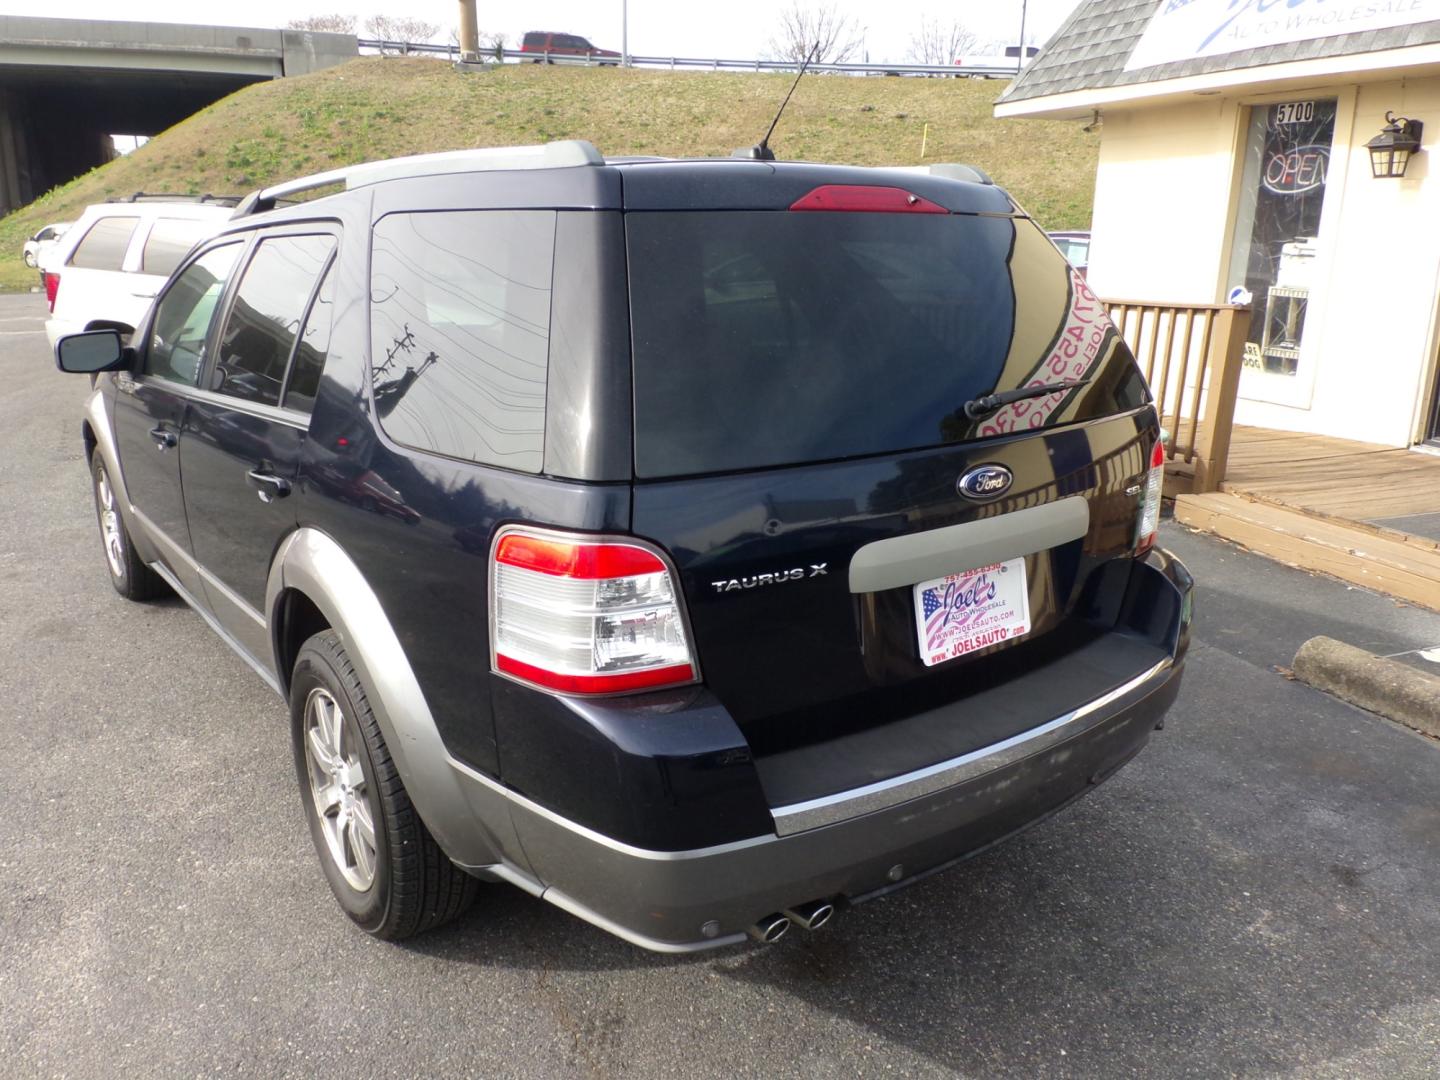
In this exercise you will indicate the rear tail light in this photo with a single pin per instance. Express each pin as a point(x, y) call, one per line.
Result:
point(586, 616)
point(865, 198)
point(1149, 526)
point(52, 289)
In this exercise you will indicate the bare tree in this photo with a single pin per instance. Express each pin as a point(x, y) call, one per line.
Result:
point(400, 28)
point(330, 24)
point(941, 43)
point(805, 27)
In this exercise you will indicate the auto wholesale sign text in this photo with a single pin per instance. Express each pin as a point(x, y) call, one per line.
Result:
point(1187, 29)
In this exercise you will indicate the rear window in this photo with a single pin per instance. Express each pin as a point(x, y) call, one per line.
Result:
point(170, 240)
point(103, 247)
point(460, 332)
point(774, 338)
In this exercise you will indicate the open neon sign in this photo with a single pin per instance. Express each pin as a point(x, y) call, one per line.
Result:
point(1296, 170)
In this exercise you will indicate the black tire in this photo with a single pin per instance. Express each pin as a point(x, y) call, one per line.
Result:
point(30, 260)
point(412, 886)
point(132, 578)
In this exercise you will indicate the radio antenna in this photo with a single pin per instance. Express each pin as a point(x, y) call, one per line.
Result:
point(761, 151)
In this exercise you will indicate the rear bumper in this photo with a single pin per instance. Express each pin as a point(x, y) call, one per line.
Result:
point(682, 901)
point(682, 897)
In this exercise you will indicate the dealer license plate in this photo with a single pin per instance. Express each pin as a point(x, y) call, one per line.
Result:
point(960, 613)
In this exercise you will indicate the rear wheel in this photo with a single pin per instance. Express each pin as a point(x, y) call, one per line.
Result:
point(385, 869)
point(128, 573)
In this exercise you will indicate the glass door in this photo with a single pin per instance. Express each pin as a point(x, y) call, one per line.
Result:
point(1277, 239)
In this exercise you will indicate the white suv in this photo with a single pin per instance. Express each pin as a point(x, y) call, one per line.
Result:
point(103, 273)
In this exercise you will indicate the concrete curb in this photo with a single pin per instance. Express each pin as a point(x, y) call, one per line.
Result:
point(1393, 690)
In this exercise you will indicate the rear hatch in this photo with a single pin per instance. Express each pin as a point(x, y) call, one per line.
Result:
point(800, 383)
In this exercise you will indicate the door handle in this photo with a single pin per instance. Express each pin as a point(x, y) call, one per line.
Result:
point(268, 486)
point(165, 439)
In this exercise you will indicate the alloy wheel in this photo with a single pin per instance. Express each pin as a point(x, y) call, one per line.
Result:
point(338, 789)
point(110, 523)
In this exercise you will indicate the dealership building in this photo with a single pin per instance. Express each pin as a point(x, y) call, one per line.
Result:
point(1278, 153)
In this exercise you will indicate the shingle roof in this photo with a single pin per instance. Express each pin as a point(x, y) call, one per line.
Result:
point(1090, 49)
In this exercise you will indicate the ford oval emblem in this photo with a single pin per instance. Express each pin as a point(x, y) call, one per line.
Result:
point(985, 482)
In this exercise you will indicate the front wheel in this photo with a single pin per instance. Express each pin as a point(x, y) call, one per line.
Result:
point(30, 260)
point(385, 869)
point(132, 578)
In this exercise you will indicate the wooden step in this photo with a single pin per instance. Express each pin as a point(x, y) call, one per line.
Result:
point(1293, 537)
point(1410, 539)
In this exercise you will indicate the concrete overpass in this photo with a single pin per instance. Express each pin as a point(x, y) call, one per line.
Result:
point(66, 85)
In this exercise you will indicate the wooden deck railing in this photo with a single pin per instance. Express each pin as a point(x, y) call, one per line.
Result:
point(1191, 355)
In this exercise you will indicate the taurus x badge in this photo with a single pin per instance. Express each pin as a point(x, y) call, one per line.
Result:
point(780, 577)
point(985, 482)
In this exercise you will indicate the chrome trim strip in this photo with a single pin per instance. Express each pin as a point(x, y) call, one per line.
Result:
point(230, 594)
point(506, 872)
point(273, 413)
point(574, 907)
point(520, 801)
point(214, 624)
point(163, 539)
point(843, 805)
point(898, 561)
point(165, 547)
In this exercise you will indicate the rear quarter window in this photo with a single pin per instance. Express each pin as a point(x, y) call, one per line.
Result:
point(460, 332)
point(103, 246)
point(170, 240)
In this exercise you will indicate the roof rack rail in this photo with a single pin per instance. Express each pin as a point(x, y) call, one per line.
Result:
point(554, 155)
point(951, 170)
point(163, 196)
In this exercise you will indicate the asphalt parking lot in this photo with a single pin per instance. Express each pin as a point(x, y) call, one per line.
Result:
point(1254, 895)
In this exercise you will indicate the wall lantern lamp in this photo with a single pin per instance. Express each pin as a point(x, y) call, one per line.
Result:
point(1390, 150)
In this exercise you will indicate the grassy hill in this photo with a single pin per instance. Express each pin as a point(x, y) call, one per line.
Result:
point(382, 107)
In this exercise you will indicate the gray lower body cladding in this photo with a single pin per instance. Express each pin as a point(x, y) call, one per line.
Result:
point(687, 900)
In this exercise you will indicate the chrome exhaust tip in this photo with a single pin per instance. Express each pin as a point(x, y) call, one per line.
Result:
point(811, 916)
point(770, 929)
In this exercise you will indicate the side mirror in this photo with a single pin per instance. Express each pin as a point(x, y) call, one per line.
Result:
point(91, 352)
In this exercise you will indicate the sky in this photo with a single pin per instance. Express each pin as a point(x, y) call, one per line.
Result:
point(742, 30)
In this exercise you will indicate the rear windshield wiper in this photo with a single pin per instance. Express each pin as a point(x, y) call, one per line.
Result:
point(981, 407)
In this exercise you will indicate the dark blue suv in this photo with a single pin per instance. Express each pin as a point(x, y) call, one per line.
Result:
point(697, 545)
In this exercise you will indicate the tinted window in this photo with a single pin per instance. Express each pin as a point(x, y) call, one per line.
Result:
point(314, 345)
point(774, 338)
point(170, 240)
point(45, 234)
point(103, 247)
point(460, 332)
point(182, 321)
point(269, 304)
